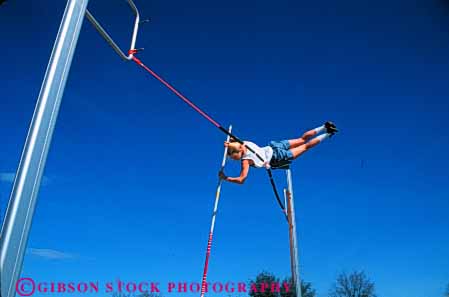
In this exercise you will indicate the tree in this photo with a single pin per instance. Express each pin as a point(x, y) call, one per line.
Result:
point(268, 279)
point(356, 284)
point(447, 291)
point(306, 289)
point(261, 279)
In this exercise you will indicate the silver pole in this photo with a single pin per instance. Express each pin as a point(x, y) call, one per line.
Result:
point(294, 257)
point(22, 202)
point(214, 215)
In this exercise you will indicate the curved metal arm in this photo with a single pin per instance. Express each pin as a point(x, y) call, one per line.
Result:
point(108, 38)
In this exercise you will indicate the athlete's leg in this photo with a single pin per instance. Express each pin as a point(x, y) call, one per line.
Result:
point(298, 151)
point(306, 136)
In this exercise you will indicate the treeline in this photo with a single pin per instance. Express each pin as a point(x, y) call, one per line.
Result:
point(354, 284)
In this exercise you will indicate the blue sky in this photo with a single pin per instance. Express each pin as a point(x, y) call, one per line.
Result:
point(131, 174)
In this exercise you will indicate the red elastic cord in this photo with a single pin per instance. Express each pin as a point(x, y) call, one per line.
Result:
point(171, 88)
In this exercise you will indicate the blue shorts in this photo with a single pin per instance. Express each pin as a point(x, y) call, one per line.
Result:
point(282, 156)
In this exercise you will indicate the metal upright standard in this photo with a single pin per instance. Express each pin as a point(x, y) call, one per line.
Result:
point(294, 258)
point(19, 215)
point(214, 215)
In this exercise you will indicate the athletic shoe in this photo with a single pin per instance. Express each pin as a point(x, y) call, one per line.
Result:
point(330, 128)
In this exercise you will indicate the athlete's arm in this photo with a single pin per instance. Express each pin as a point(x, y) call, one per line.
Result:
point(243, 174)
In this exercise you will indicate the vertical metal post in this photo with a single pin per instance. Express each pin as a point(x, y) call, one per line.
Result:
point(294, 257)
point(19, 215)
point(212, 226)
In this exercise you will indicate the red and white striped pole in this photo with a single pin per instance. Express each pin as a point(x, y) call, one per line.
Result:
point(214, 214)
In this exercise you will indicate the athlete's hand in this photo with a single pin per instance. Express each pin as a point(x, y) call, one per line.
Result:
point(222, 175)
point(226, 144)
point(267, 165)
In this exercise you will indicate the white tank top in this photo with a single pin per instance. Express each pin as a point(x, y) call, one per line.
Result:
point(265, 152)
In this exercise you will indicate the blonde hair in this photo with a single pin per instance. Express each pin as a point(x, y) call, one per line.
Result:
point(234, 147)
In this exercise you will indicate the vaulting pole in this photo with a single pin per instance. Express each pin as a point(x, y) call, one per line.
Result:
point(214, 214)
point(294, 257)
point(21, 206)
